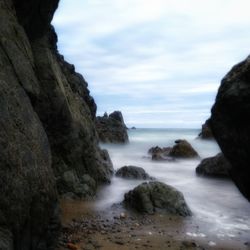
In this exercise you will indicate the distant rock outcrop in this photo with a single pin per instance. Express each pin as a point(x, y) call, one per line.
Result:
point(48, 140)
point(216, 166)
point(206, 132)
point(230, 126)
point(155, 197)
point(112, 128)
point(182, 149)
point(133, 172)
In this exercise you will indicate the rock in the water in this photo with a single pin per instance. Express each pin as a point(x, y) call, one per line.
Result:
point(112, 128)
point(217, 166)
point(133, 172)
point(230, 125)
point(183, 149)
point(160, 154)
point(206, 132)
point(154, 197)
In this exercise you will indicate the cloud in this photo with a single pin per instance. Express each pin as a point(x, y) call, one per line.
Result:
point(160, 61)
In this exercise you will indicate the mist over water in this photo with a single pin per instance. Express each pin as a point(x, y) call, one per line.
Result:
point(216, 203)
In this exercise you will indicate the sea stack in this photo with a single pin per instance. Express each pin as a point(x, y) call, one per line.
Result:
point(111, 128)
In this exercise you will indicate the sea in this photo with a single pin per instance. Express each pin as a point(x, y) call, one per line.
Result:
point(214, 202)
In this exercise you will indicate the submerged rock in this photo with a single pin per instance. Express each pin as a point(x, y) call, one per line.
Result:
point(206, 132)
point(230, 126)
point(112, 128)
point(217, 166)
point(160, 154)
point(155, 197)
point(133, 172)
point(183, 149)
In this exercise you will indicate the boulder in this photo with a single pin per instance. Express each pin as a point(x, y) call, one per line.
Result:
point(160, 154)
point(111, 129)
point(183, 149)
point(133, 172)
point(206, 132)
point(152, 197)
point(230, 126)
point(217, 166)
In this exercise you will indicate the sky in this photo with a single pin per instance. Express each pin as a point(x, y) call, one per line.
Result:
point(160, 62)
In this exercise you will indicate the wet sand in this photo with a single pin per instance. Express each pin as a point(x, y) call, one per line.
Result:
point(84, 228)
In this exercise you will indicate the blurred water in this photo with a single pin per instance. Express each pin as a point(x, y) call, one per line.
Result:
point(216, 202)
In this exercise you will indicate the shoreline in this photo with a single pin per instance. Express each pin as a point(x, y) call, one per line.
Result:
point(88, 229)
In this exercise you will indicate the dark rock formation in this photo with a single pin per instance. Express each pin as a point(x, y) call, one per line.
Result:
point(206, 132)
point(112, 128)
point(216, 166)
point(48, 140)
point(183, 149)
point(154, 197)
point(230, 125)
point(133, 172)
point(160, 154)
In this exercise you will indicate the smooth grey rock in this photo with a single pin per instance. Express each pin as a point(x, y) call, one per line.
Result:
point(216, 166)
point(151, 197)
point(133, 172)
point(183, 149)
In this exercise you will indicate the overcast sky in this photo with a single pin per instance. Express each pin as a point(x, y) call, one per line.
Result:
point(158, 61)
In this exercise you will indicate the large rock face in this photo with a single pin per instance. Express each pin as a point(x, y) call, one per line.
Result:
point(230, 124)
point(47, 132)
point(112, 128)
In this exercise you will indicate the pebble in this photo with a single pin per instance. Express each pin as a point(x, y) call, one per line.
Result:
point(123, 216)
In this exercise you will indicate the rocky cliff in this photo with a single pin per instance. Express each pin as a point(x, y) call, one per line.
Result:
point(48, 140)
point(230, 126)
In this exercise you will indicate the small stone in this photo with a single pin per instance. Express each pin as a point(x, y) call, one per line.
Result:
point(123, 215)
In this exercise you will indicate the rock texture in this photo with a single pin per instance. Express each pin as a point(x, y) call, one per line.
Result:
point(48, 140)
point(216, 166)
point(182, 149)
point(112, 128)
point(156, 196)
point(206, 132)
point(133, 172)
point(160, 154)
point(230, 126)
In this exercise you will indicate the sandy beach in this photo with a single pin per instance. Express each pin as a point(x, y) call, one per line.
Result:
point(87, 229)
